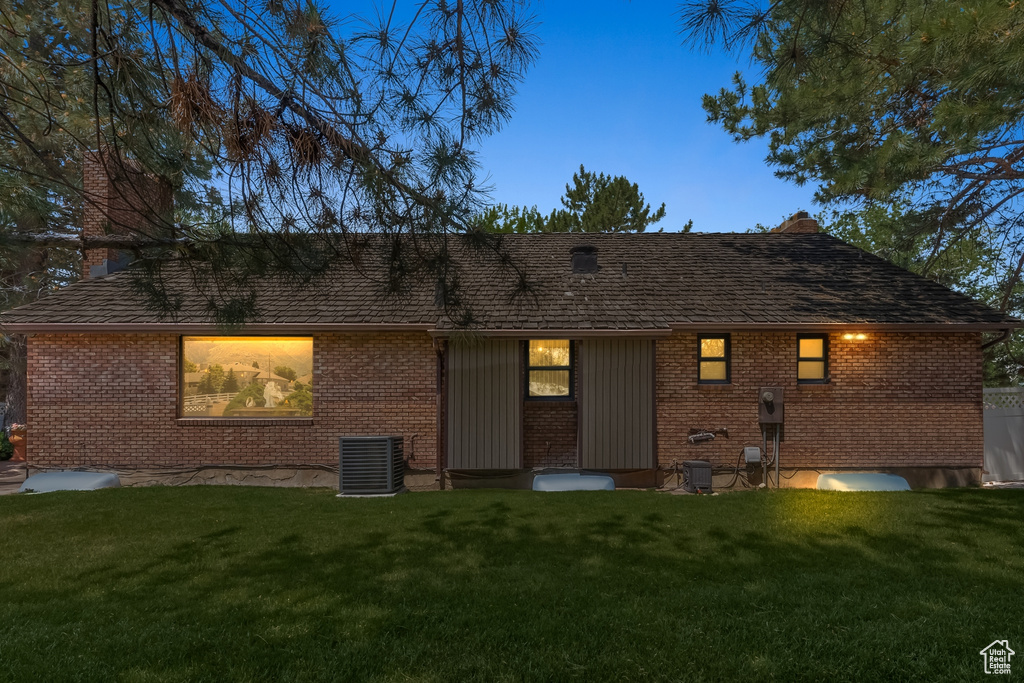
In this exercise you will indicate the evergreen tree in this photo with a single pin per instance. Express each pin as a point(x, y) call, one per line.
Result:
point(592, 203)
point(505, 219)
point(206, 385)
point(230, 383)
point(892, 108)
point(600, 203)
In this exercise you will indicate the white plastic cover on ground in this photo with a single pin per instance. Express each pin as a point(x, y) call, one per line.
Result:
point(48, 482)
point(573, 482)
point(862, 481)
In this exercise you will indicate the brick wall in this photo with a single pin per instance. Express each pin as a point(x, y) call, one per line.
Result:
point(112, 400)
point(549, 434)
point(894, 400)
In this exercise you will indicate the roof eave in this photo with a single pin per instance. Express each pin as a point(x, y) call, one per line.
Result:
point(519, 332)
point(860, 326)
point(209, 328)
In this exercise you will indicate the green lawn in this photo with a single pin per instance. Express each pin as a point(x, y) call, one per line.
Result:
point(230, 583)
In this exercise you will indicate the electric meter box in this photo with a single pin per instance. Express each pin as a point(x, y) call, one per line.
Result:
point(752, 455)
point(770, 405)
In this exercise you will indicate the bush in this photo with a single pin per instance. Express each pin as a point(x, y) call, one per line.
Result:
point(301, 399)
point(6, 447)
point(254, 391)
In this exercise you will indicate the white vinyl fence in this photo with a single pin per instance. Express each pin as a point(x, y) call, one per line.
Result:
point(1004, 434)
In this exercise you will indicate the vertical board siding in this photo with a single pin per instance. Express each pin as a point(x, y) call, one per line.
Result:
point(484, 410)
point(616, 413)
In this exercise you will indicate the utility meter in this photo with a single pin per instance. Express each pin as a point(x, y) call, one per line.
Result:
point(770, 405)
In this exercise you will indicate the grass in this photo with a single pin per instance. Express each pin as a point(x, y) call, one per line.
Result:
point(229, 583)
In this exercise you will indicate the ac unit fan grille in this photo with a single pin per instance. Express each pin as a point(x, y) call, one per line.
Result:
point(371, 465)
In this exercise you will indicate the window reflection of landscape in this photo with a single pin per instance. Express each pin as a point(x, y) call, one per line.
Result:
point(247, 377)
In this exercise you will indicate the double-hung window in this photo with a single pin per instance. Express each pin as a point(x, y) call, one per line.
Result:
point(812, 359)
point(713, 359)
point(549, 369)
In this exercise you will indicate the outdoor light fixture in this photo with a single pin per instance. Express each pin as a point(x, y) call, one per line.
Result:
point(858, 336)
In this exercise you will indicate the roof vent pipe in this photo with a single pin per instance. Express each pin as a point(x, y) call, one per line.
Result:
point(584, 259)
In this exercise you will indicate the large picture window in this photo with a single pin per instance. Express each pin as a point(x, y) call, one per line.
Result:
point(549, 369)
point(246, 377)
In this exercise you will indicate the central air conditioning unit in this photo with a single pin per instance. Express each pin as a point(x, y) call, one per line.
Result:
point(697, 476)
point(370, 465)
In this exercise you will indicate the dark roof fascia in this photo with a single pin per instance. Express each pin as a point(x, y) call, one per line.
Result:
point(832, 327)
point(521, 333)
point(565, 333)
point(577, 333)
point(206, 328)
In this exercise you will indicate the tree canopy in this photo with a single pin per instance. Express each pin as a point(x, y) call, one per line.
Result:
point(282, 129)
point(901, 108)
point(286, 372)
point(592, 203)
point(600, 203)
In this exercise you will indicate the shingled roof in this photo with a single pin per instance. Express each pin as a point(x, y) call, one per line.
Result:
point(646, 282)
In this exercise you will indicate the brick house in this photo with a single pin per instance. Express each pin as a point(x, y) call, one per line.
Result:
point(631, 345)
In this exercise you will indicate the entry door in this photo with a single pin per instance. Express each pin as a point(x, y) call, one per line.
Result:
point(485, 405)
point(616, 404)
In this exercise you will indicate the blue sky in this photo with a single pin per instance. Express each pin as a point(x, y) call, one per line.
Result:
point(615, 90)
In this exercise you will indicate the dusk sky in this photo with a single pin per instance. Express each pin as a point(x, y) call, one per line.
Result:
point(615, 90)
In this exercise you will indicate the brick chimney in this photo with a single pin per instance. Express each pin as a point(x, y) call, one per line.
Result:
point(799, 223)
point(119, 200)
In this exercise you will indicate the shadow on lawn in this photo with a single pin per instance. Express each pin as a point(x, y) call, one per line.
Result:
point(472, 585)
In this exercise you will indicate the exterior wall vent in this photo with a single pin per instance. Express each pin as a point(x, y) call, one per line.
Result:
point(697, 476)
point(584, 259)
point(370, 465)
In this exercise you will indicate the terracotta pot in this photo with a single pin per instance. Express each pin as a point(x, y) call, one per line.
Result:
point(19, 440)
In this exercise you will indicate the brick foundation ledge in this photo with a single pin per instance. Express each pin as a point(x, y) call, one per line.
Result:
point(226, 475)
point(933, 477)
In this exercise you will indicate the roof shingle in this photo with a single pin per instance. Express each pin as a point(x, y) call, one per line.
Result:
point(645, 282)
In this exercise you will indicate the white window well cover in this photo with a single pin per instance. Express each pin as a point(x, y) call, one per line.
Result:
point(862, 481)
point(47, 482)
point(573, 482)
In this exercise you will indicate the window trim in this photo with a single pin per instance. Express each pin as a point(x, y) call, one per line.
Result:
point(727, 358)
point(183, 419)
point(823, 358)
point(527, 368)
